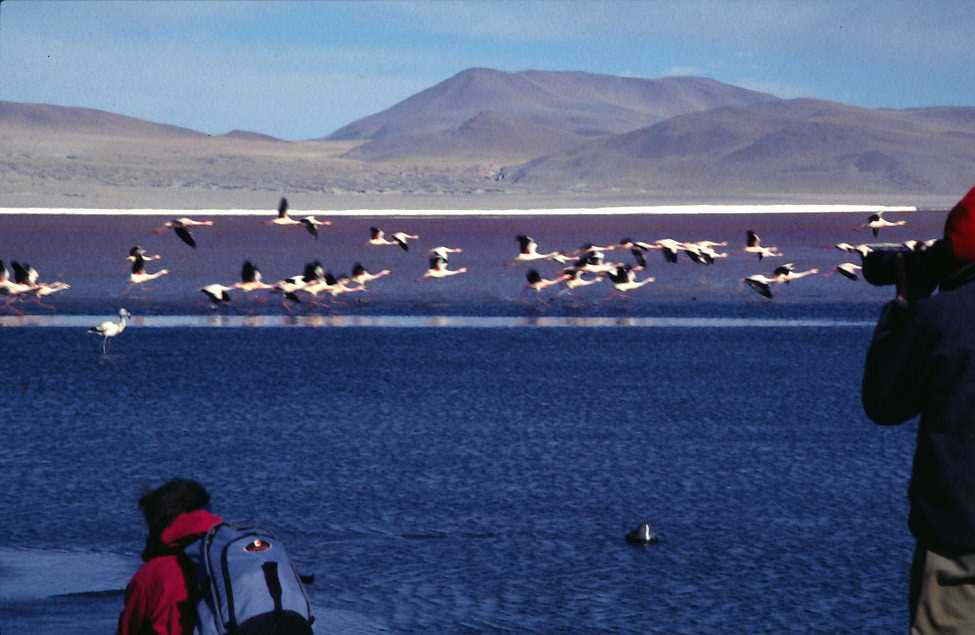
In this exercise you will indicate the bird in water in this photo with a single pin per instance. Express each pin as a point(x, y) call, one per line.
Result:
point(108, 328)
point(181, 227)
point(642, 535)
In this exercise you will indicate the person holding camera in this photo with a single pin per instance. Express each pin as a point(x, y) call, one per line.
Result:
point(921, 361)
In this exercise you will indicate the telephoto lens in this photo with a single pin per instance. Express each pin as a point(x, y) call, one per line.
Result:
point(924, 267)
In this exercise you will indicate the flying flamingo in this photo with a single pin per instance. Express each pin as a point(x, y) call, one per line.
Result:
point(139, 252)
point(361, 276)
point(217, 294)
point(624, 279)
point(250, 279)
point(528, 251)
point(438, 269)
point(753, 245)
point(848, 270)
point(536, 282)
point(181, 227)
point(876, 222)
point(378, 237)
point(573, 279)
point(139, 275)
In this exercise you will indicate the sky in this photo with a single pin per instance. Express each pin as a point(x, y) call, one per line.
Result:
point(300, 70)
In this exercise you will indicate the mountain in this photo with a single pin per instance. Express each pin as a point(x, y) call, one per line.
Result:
point(800, 145)
point(247, 135)
point(583, 104)
point(484, 136)
point(65, 119)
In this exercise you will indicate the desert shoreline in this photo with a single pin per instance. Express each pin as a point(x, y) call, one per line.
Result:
point(573, 211)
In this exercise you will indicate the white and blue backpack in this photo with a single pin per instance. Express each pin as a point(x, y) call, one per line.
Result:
point(246, 584)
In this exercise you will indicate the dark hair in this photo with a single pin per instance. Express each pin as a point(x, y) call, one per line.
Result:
point(161, 506)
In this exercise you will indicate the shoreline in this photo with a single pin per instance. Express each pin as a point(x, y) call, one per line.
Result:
point(704, 209)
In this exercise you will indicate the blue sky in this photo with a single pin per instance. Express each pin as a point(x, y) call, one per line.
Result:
point(300, 70)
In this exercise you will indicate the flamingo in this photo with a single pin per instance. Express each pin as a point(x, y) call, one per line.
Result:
point(528, 251)
point(444, 252)
point(217, 294)
point(109, 329)
point(282, 218)
point(44, 289)
point(753, 245)
point(312, 224)
point(624, 279)
point(863, 250)
point(782, 274)
point(848, 270)
point(787, 272)
point(139, 275)
point(707, 249)
point(438, 269)
point(536, 282)
point(250, 279)
point(139, 252)
point(181, 227)
point(594, 262)
point(377, 237)
point(638, 249)
point(25, 281)
point(876, 222)
point(573, 279)
point(361, 276)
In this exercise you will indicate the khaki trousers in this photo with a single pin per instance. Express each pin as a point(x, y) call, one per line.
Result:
point(942, 593)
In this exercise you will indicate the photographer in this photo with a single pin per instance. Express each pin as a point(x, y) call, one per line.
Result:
point(922, 361)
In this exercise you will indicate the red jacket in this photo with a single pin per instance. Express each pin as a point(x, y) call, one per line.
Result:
point(157, 600)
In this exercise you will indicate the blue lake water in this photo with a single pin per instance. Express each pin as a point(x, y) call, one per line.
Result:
point(461, 458)
point(471, 479)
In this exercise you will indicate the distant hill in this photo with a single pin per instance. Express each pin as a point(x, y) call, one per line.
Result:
point(484, 136)
point(800, 145)
point(582, 104)
point(67, 119)
point(246, 135)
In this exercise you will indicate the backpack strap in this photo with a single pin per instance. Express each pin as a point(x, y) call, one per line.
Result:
point(273, 584)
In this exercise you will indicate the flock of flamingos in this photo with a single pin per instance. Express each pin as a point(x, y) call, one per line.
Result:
point(582, 267)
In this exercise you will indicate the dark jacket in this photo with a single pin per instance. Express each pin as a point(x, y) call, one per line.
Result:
point(157, 600)
point(922, 361)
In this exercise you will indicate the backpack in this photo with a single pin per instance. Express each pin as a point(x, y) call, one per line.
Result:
point(246, 584)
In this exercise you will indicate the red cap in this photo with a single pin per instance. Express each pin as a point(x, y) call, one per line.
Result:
point(960, 228)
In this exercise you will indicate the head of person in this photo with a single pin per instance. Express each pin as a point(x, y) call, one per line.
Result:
point(960, 230)
point(161, 506)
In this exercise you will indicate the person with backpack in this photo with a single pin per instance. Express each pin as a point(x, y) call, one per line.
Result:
point(158, 599)
point(203, 576)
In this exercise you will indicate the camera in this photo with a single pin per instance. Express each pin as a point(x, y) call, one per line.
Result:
point(925, 266)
